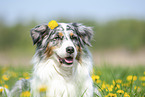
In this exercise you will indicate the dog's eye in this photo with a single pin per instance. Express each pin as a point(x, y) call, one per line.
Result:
point(56, 38)
point(74, 38)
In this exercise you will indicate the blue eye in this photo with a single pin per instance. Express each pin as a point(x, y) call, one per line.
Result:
point(74, 39)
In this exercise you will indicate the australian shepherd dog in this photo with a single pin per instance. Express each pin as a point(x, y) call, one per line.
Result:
point(62, 62)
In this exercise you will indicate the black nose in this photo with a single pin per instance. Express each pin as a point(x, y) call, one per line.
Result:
point(70, 49)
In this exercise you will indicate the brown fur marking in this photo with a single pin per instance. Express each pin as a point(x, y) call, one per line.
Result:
point(60, 34)
point(49, 51)
point(79, 54)
point(71, 34)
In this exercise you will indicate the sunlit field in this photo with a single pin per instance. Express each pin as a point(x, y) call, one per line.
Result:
point(111, 81)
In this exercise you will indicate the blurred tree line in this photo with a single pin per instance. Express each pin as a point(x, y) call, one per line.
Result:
point(123, 33)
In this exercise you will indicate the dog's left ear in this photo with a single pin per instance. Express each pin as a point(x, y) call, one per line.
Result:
point(85, 33)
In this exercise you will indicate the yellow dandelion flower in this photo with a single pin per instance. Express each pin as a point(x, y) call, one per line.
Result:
point(1, 89)
point(6, 86)
point(118, 81)
point(98, 81)
point(52, 24)
point(103, 86)
point(126, 95)
point(120, 92)
point(144, 73)
point(27, 77)
point(135, 87)
point(107, 86)
point(95, 77)
point(142, 78)
point(110, 89)
point(117, 86)
point(5, 77)
point(111, 95)
point(42, 88)
point(113, 82)
point(130, 78)
point(25, 94)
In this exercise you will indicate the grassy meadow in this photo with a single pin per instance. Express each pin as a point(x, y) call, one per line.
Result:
point(111, 81)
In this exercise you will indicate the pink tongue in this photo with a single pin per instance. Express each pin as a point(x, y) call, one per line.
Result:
point(68, 60)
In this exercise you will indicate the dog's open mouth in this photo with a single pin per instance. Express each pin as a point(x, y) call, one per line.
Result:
point(67, 60)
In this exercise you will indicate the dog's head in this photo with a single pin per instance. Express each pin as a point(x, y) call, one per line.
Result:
point(65, 41)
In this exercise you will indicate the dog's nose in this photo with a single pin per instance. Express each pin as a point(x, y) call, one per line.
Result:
point(70, 49)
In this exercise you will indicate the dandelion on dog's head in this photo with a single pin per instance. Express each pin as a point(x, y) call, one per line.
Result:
point(52, 24)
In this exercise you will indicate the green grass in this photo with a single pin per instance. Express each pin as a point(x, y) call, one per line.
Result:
point(111, 80)
point(120, 80)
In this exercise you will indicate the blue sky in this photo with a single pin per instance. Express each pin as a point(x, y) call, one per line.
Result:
point(13, 10)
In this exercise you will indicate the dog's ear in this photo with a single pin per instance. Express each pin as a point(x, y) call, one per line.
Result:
point(85, 33)
point(38, 32)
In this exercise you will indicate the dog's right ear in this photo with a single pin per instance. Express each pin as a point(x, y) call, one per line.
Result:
point(38, 32)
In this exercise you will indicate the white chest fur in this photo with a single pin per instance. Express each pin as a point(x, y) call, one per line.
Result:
point(73, 82)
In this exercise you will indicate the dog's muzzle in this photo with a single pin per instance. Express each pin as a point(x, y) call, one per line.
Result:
point(70, 56)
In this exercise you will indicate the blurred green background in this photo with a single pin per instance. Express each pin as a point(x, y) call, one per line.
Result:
point(126, 33)
point(119, 28)
point(129, 34)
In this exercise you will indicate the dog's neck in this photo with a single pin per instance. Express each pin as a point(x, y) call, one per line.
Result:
point(49, 69)
point(65, 72)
